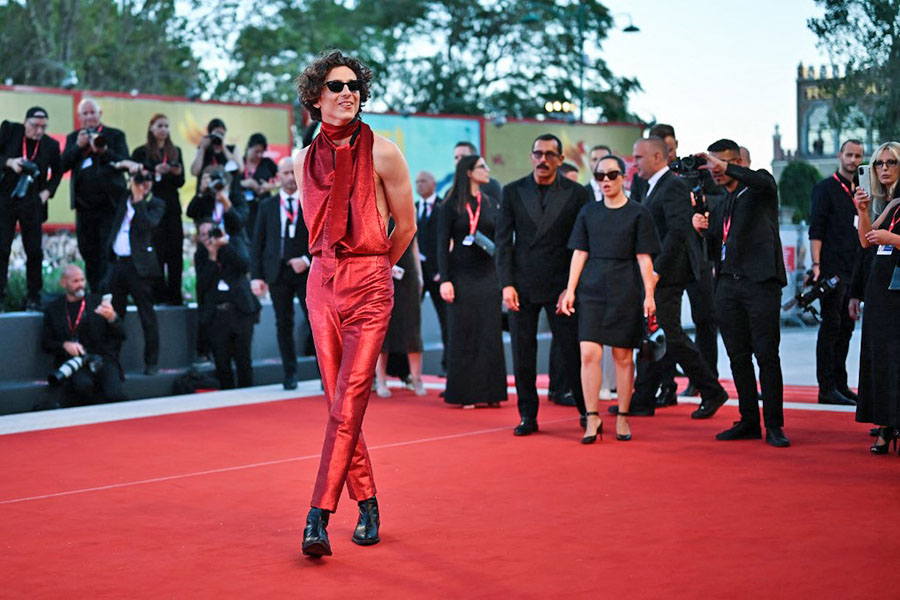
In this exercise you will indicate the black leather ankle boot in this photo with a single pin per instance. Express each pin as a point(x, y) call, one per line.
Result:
point(366, 532)
point(315, 538)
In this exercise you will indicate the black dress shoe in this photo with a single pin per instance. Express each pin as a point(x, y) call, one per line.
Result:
point(741, 431)
point(835, 397)
point(315, 538)
point(668, 396)
point(290, 382)
point(775, 437)
point(709, 407)
point(848, 393)
point(526, 427)
point(366, 532)
point(634, 412)
point(566, 399)
point(690, 391)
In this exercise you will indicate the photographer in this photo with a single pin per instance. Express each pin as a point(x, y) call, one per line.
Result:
point(28, 157)
point(163, 158)
point(749, 277)
point(82, 325)
point(134, 265)
point(96, 155)
point(214, 151)
point(260, 174)
point(834, 244)
point(217, 201)
point(229, 309)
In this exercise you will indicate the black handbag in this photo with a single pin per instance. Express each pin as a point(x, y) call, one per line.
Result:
point(653, 342)
point(485, 243)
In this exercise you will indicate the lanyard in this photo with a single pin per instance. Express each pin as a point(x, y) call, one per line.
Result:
point(473, 217)
point(894, 220)
point(846, 189)
point(726, 222)
point(74, 328)
point(291, 214)
point(25, 152)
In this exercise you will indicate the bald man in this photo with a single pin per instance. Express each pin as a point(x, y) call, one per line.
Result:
point(426, 221)
point(280, 263)
point(96, 155)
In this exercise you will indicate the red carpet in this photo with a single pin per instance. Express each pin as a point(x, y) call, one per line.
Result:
point(211, 504)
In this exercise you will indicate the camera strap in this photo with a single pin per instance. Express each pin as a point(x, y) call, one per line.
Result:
point(25, 151)
point(74, 328)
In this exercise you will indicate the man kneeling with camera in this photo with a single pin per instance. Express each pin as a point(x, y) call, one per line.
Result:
point(84, 334)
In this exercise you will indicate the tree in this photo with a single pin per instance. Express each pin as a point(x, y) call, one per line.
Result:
point(863, 37)
point(795, 187)
point(110, 45)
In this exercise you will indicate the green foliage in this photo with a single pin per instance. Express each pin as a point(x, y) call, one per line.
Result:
point(863, 36)
point(795, 187)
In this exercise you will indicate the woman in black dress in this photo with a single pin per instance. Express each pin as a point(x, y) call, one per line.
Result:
point(879, 377)
point(161, 157)
point(476, 369)
point(613, 241)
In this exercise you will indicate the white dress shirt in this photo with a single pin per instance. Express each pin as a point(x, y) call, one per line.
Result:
point(651, 183)
point(122, 244)
point(295, 206)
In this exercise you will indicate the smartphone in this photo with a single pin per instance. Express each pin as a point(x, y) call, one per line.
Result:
point(864, 182)
point(107, 299)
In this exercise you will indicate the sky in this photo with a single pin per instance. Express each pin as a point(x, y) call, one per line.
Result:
point(724, 69)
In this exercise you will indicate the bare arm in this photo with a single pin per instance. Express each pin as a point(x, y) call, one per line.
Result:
point(394, 173)
point(649, 277)
point(579, 259)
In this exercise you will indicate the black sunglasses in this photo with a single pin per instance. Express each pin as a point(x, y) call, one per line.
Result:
point(600, 175)
point(549, 154)
point(354, 85)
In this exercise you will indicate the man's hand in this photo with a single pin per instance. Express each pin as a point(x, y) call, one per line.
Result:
point(853, 308)
point(73, 348)
point(106, 311)
point(447, 292)
point(45, 196)
point(223, 199)
point(84, 138)
point(258, 287)
point(128, 165)
point(511, 298)
point(15, 164)
point(700, 222)
point(298, 265)
point(816, 271)
point(716, 165)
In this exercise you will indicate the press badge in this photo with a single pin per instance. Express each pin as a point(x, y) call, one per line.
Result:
point(885, 249)
point(87, 162)
point(723, 252)
point(222, 287)
point(855, 221)
point(468, 240)
point(248, 195)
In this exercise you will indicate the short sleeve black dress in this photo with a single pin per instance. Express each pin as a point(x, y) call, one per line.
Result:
point(609, 297)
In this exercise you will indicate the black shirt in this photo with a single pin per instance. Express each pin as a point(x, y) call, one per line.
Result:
point(164, 186)
point(831, 220)
point(44, 152)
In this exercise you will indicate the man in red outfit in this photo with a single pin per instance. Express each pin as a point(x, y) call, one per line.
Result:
point(351, 182)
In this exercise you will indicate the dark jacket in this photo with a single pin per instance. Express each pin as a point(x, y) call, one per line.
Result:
point(96, 334)
point(203, 205)
point(147, 215)
point(167, 186)
point(97, 186)
point(427, 235)
point(754, 243)
point(231, 267)
point(536, 260)
point(265, 262)
point(46, 157)
point(670, 204)
point(831, 217)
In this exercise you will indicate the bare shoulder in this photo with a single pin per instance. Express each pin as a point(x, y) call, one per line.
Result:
point(387, 158)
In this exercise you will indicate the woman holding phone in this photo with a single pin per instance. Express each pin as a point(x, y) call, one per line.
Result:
point(611, 270)
point(879, 378)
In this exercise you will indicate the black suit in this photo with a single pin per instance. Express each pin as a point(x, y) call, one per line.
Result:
point(203, 206)
point(532, 255)
point(28, 212)
point(748, 290)
point(96, 189)
point(97, 336)
point(134, 273)
point(669, 202)
point(427, 234)
point(270, 254)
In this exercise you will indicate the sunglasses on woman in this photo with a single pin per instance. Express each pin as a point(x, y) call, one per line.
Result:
point(600, 175)
point(354, 85)
point(891, 162)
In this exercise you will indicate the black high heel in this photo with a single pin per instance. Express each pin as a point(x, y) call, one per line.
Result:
point(619, 436)
point(889, 435)
point(590, 439)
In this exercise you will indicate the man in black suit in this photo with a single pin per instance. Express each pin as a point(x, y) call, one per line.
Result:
point(426, 223)
point(219, 200)
point(133, 261)
point(96, 155)
point(80, 324)
point(24, 196)
point(537, 213)
point(280, 262)
point(229, 309)
point(749, 277)
point(669, 201)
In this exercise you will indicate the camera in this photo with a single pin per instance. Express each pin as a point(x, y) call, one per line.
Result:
point(216, 139)
point(142, 177)
point(216, 233)
point(97, 137)
point(92, 362)
point(687, 164)
point(217, 181)
point(30, 172)
point(819, 289)
point(688, 167)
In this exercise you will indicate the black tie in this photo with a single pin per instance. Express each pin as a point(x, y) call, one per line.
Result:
point(287, 225)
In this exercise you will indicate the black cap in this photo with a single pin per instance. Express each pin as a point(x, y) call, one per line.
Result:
point(36, 111)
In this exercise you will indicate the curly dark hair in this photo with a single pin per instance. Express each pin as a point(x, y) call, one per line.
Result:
point(312, 79)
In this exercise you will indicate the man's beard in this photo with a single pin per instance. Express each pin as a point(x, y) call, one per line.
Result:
point(78, 294)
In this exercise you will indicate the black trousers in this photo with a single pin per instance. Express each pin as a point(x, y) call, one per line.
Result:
point(833, 342)
point(556, 370)
point(703, 314)
point(168, 238)
point(231, 336)
point(85, 387)
point(287, 286)
point(679, 348)
point(523, 330)
point(440, 307)
point(749, 316)
point(27, 213)
point(92, 228)
point(123, 280)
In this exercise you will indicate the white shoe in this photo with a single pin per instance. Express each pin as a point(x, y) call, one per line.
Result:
point(418, 387)
point(382, 390)
point(605, 394)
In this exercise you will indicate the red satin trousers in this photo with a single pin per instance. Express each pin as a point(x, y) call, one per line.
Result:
point(349, 316)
